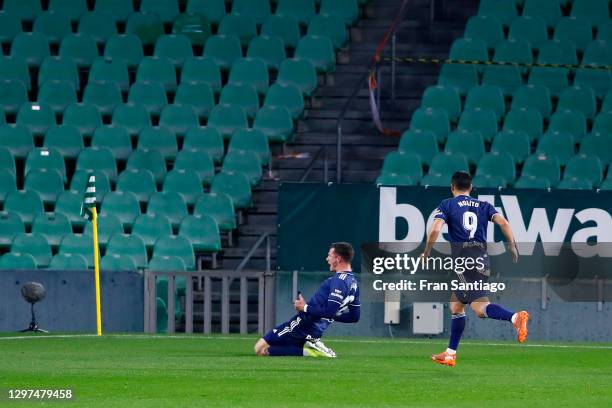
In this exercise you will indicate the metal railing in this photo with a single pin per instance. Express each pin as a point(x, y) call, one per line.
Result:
point(322, 151)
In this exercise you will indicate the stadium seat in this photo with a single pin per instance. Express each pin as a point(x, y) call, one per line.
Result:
point(527, 120)
point(108, 225)
point(17, 139)
point(45, 158)
point(598, 52)
point(606, 105)
point(287, 96)
point(486, 97)
point(585, 167)
point(514, 50)
point(68, 262)
point(302, 10)
point(98, 158)
point(285, 27)
point(236, 186)
point(258, 10)
point(275, 122)
point(319, 51)
point(32, 48)
point(481, 121)
point(223, 50)
point(540, 165)
point(121, 9)
point(133, 117)
point(445, 164)
point(220, 207)
point(160, 139)
point(84, 116)
point(116, 263)
point(597, 79)
point(435, 180)
point(148, 159)
point(73, 9)
point(423, 143)
point(227, 119)
point(122, 204)
point(406, 165)
point(270, 50)
point(197, 161)
point(174, 47)
point(395, 179)
point(124, 47)
point(8, 183)
point(103, 95)
point(198, 96)
point(213, 10)
point(151, 226)
point(250, 71)
point(52, 226)
point(598, 144)
point(57, 95)
point(168, 203)
point(251, 140)
point(100, 25)
point(202, 70)
point(147, 26)
point(558, 144)
point(530, 29)
point(488, 181)
point(180, 246)
point(461, 77)
point(53, 25)
point(606, 185)
point(7, 161)
point(443, 97)
point(157, 69)
point(15, 69)
point(241, 95)
point(299, 72)
point(487, 28)
point(205, 140)
point(151, 95)
point(35, 245)
point(574, 183)
point(569, 121)
point(69, 203)
point(140, 182)
point(202, 232)
point(470, 144)
point(130, 246)
point(469, 49)
point(578, 98)
point(187, 183)
point(78, 182)
point(178, 119)
point(548, 10)
point(114, 138)
point(603, 123)
point(13, 94)
point(78, 244)
point(499, 164)
point(9, 28)
point(167, 10)
point(604, 32)
point(432, 119)
point(330, 26)
point(58, 69)
point(535, 97)
point(81, 48)
point(577, 30)
point(245, 162)
point(17, 261)
point(241, 26)
point(36, 117)
point(595, 10)
point(48, 183)
point(346, 10)
point(193, 26)
point(558, 52)
point(508, 78)
point(504, 11)
point(110, 71)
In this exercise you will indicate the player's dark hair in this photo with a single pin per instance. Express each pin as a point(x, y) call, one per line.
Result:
point(461, 180)
point(344, 250)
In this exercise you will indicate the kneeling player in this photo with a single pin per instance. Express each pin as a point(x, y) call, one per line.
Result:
point(337, 299)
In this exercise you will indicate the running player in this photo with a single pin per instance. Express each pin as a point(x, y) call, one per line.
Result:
point(467, 220)
point(337, 299)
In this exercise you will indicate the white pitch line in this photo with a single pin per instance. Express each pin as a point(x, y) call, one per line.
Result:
point(332, 340)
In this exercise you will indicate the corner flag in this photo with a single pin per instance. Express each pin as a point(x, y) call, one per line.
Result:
point(88, 211)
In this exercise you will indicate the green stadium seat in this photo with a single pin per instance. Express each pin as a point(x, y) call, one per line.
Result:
point(435, 180)
point(202, 70)
point(319, 51)
point(288, 96)
point(395, 179)
point(45, 158)
point(114, 138)
point(480, 121)
point(13, 94)
point(7, 161)
point(258, 10)
point(514, 50)
point(245, 162)
point(108, 225)
point(73, 9)
point(36, 117)
point(461, 77)
point(178, 119)
point(575, 183)
point(83, 116)
point(298, 72)
point(275, 122)
point(170, 264)
point(110, 71)
point(486, 97)
point(508, 78)
point(130, 246)
point(69, 203)
point(199, 96)
point(548, 10)
point(220, 207)
point(118, 263)
point(535, 97)
point(432, 119)
point(302, 10)
point(121, 9)
point(151, 226)
point(122, 204)
point(57, 95)
point(405, 165)
point(202, 232)
point(500, 165)
point(140, 182)
point(53, 25)
point(488, 181)
point(157, 69)
point(213, 10)
point(160, 139)
point(68, 262)
point(35, 245)
point(486, 28)
point(236, 186)
point(98, 158)
point(194, 26)
point(577, 30)
point(603, 123)
point(527, 120)
point(285, 27)
point(443, 97)
point(250, 71)
point(446, 164)
point(251, 140)
point(543, 166)
point(17, 261)
point(558, 52)
point(59, 69)
point(607, 103)
point(167, 10)
point(585, 167)
point(227, 119)
point(133, 117)
point(470, 144)
point(598, 144)
point(598, 52)
point(170, 204)
point(330, 26)
point(606, 185)
point(569, 121)
point(175, 47)
point(595, 10)
point(100, 25)
point(48, 183)
point(242, 95)
point(15, 69)
point(179, 246)
point(240, 26)
point(530, 29)
point(146, 26)
point(151, 95)
point(504, 11)
point(148, 159)
point(103, 95)
point(32, 48)
point(187, 183)
point(124, 47)
point(604, 32)
point(469, 49)
point(79, 180)
point(10, 26)
point(578, 98)
point(80, 47)
point(531, 181)
point(597, 79)
point(346, 10)
point(197, 161)
point(8, 183)
point(423, 143)
point(223, 50)
point(206, 140)
point(52, 226)
point(78, 244)
point(559, 144)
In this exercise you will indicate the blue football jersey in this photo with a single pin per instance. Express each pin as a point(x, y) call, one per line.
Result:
point(466, 217)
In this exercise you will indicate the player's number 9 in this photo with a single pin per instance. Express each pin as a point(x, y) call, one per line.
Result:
point(470, 222)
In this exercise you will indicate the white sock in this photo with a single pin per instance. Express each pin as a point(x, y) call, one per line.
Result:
point(451, 352)
point(514, 316)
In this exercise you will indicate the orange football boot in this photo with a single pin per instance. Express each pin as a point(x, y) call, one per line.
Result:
point(521, 326)
point(444, 359)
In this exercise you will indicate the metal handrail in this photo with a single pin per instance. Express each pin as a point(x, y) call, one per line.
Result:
point(264, 237)
point(313, 161)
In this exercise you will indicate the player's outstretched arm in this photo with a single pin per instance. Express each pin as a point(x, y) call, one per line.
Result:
point(432, 236)
point(507, 231)
point(353, 315)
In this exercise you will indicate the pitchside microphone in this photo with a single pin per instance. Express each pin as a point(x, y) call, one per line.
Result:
point(33, 292)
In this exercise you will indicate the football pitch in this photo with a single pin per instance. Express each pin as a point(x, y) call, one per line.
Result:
point(213, 371)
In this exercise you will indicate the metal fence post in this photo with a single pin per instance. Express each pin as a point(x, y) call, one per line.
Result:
point(189, 305)
point(170, 305)
point(243, 304)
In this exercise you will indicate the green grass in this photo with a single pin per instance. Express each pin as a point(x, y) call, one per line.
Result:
point(182, 371)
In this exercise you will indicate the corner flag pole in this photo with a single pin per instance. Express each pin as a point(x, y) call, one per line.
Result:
point(97, 270)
